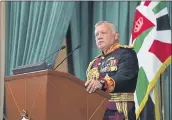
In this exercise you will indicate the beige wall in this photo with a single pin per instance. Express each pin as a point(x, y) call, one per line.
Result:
point(2, 55)
point(62, 54)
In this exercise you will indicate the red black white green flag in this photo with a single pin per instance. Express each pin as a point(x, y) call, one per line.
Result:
point(151, 37)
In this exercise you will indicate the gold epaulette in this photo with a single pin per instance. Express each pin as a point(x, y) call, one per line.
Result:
point(127, 46)
point(91, 63)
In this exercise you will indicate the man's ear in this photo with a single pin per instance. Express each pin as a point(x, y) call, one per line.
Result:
point(116, 36)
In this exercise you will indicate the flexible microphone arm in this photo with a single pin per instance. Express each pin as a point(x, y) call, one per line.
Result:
point(63, 47)
point(67, 56)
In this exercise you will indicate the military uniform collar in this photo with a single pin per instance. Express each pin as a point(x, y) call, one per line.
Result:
point(111, 49)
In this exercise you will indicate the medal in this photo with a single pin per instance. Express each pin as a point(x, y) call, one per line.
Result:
point(113, 68)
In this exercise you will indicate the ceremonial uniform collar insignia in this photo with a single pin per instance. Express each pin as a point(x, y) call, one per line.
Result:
point(111, 49)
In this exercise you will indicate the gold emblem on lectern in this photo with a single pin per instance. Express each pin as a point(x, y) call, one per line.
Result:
point(24, 116)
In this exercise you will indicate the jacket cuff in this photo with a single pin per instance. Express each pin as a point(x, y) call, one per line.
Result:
point(109, 84)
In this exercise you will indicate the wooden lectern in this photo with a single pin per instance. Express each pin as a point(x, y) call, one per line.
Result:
point(52, 95)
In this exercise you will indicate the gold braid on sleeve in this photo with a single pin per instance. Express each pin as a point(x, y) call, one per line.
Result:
point(110, 83)
point(88, 69)
point(89, 73)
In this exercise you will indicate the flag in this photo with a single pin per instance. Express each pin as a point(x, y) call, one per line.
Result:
point(151, 38)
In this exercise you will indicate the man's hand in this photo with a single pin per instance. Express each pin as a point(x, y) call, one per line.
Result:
point(93, 85)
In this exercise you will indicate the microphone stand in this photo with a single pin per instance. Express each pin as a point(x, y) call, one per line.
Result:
point(67, 56)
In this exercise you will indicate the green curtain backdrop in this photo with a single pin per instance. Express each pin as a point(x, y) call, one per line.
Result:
point(87, 14)
point(167, 77)
point(34, 30)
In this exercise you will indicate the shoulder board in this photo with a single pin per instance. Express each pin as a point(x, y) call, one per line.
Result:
point(127, 46)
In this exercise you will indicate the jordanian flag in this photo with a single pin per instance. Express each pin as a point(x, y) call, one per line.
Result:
point(151, 37)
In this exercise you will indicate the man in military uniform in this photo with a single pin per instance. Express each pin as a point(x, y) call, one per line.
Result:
point(114, 71)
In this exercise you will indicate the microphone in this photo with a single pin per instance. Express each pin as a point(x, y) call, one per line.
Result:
point(67, 56)
point(63, 47)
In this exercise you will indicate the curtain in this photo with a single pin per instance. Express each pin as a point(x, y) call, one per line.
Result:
point(34, 31)
point(167, 86)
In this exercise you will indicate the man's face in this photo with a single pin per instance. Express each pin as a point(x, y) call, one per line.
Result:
point(104, 36)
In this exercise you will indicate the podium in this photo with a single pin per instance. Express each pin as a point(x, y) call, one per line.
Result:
point(52, 95)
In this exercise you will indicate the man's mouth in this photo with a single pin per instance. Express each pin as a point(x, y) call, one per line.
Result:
point(100, 42)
